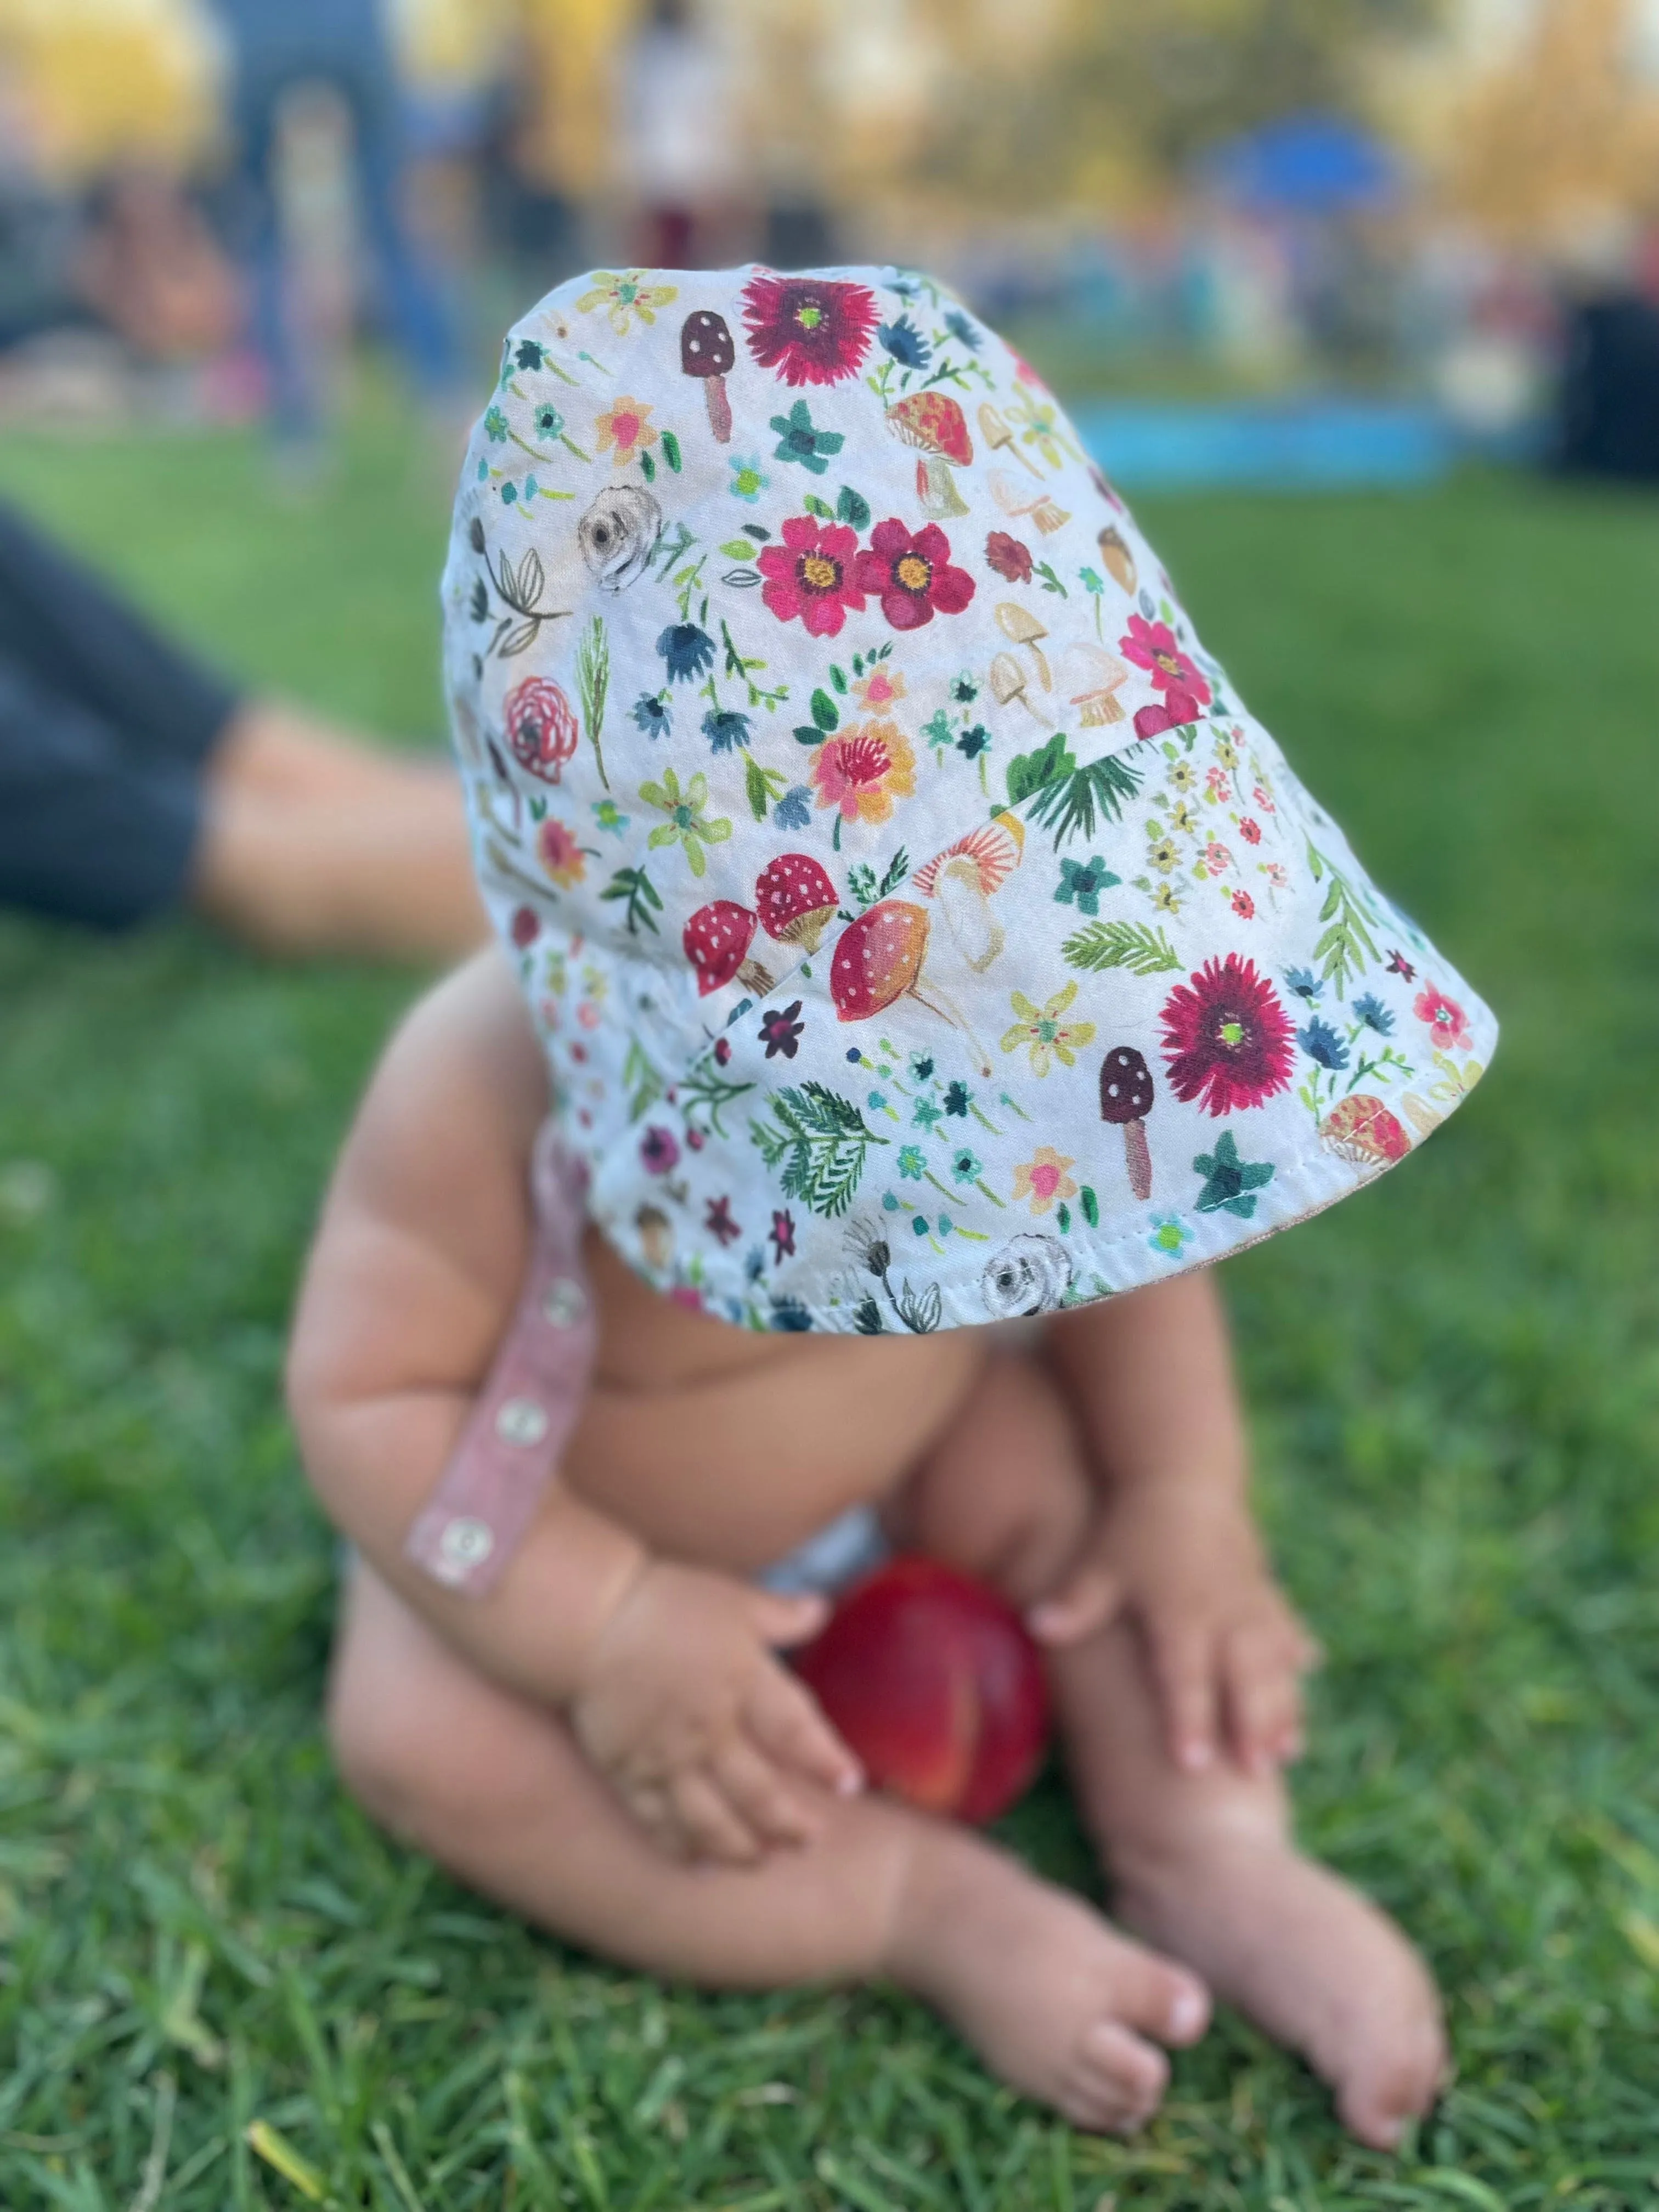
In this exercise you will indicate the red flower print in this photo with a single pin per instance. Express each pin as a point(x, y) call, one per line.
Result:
point(1250, 831)
point(1243, 906)
point(781, 1236)
point(1153, 646)
point(723, 1050)
point(541, 726)
point(1449, 1023)
point(717, 1221)
point(811, 574)
point(809, 330)
point(1226, 1037)
point(1008, 557)
point(912, 575)
point(525, 926)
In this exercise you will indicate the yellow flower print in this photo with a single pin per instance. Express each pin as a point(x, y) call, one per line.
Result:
point(1226, 753)
point(624, 427)
point(1182, 818)
point(1043, 1032)
point(1162, 854)
point(1167, 899)
point(1182, 778)
point(881, 688)
point(1043, 1178)
point(625, 296)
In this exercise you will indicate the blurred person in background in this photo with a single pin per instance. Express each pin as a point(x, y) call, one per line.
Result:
point(279, 49)
point(134, 780)
point(676, 141)
point(151, 270)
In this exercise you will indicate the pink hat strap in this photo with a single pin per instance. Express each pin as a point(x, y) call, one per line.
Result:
point(510, 1449)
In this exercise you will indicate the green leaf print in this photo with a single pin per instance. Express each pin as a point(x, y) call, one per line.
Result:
point(1135, 945)
point(593, 682)
point(820, 1140)
point(1029, 772)
point(705, 1087)
point(1346, 945)
point(1073, 804)
point(640, 893)
point(824, 711)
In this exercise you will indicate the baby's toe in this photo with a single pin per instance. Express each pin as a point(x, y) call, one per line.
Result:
point(1161, 2000)
point(1378, 2101)
point(1116, 2081)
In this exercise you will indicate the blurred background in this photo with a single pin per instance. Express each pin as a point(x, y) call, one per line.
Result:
point(1275, 239)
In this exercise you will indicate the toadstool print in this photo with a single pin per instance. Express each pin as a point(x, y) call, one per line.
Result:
point(708, 353)
point(1011, 498)
point(965, 877)
point(1363, 1131)
point(1020, 627)
point(994, 428)
point(717, 939)
point(879, 958)
point(934, 424)
point(1008, 680)
point(1127, 1093)
point(1092, 677)
point(796, 900)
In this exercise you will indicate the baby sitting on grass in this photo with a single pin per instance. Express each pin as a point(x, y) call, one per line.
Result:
point(915, 968)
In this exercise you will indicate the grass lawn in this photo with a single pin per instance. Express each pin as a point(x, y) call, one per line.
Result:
point(1456, 1390)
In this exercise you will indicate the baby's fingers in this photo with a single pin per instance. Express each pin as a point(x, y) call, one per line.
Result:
point(785, 1719)
point(1084, 1602)
point(754, 1787)
point(709, 1825)
point(1183, 1670)
point(1263, 1693)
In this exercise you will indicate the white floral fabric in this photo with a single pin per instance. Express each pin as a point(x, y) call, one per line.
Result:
point(920, 930)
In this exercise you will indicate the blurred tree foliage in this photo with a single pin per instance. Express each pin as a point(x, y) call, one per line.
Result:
point(1101, 101)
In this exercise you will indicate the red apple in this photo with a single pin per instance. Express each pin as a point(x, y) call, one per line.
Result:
point(935, 1685)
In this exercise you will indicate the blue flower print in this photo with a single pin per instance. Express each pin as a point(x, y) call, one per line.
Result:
point(911, 1164)
point(549, 424)
point(687, 652)
point(926, 1115)
point(1321, 1042)
point(905, 342)
point(1081, 884)
point(726, 731)
point(1374, 1015)
point(922, 1067)
point(1305, 984)
point(653, 714)
point(799, 442)
point(1169, 1233)
point(495, 424)
point(794, 810)
point(972, 743)
point(964, 1167)
point(955, 1099)
point(529, 354)
point(963, 330)
point(749, 479)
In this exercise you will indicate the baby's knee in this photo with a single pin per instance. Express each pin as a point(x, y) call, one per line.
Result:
point(1006, 1494)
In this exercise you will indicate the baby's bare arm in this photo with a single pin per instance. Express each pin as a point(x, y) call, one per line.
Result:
point(417, 1267)
point(1150, 1377)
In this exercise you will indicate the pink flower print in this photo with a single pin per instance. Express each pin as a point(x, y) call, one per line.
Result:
point(1250, 831)
point(812, 574)
point(1277, 874)
point(781, 1236)
point(658, 1152)
point(560, 853)
point(1216, 858)
point(862, 770)
point(1218, 787)
point(1043, 1179)
point(912, 573)
point(883, 687)
point(1264, 798)
point(1153, 646)
point(1444, 1016)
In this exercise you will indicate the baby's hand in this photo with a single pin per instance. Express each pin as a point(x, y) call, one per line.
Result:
point(1182, 1563)
point(697, 1725)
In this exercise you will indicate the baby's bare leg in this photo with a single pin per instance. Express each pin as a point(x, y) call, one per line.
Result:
point(497, 1791)
point(1203, 1865)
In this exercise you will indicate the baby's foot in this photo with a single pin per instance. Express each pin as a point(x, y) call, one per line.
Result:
point(1052, 1999)
point(1307, 1958)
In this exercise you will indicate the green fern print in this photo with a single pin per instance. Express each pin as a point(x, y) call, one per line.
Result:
point(820, 1140)
point(1346, 945)
point(1135, 945)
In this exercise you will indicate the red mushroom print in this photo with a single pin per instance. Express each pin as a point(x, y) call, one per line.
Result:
point(879, 957)
point(935, 426)
point(796, 900)
point(541, 727)
point(1363, 1131)
point(707, 352)
point(1126, 1098)
point(717, 940)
